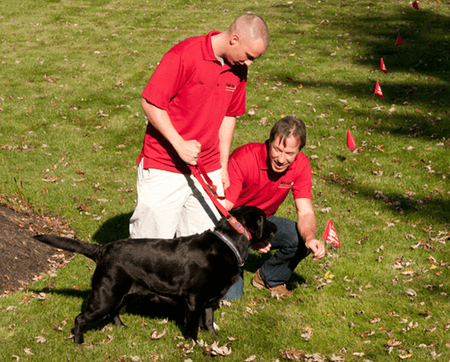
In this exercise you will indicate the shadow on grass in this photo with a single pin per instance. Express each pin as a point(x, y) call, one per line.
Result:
point(433, 207)
point(422, 58)
point(115, 228)
point(425, 47)
point(148, 307)
point(256, 260)
point(372, 34)
point(420, 123)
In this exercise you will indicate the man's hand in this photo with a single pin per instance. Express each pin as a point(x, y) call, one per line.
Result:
point(189, 151)
point(262, 247)
point(317, 248)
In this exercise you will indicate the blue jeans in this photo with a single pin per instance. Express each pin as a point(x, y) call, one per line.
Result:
point(278, 269)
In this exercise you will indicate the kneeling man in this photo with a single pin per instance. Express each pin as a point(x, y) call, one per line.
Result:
point(262, 174)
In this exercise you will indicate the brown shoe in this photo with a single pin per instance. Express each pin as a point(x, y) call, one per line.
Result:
point(279, 291)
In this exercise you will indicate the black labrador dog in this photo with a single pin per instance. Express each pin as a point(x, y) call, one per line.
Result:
point(196, 270)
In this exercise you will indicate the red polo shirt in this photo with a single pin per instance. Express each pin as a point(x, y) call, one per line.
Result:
point(197, 92)
point(253, 183)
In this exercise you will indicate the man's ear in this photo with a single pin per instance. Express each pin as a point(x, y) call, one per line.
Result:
point(234, 39)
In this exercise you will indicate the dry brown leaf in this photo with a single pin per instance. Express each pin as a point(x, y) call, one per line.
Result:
point(28, 351)
point(157, 334)
point(394, 343)
point(40, 339)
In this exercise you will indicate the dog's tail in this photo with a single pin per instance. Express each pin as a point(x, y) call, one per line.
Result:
point(92, 251)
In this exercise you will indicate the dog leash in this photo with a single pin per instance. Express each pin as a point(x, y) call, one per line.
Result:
point(198, 171)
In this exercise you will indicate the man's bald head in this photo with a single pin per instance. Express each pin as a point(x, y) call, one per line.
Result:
point(250, 27)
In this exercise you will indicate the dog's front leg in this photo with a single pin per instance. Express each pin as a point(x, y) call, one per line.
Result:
point(80, 324)
point(208, 320)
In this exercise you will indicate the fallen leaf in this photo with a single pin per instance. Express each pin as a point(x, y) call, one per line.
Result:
point(394, 343)
point(358, 354)
point(157, 334)
point(220, 351)
point(405, 356)
point(40, 339)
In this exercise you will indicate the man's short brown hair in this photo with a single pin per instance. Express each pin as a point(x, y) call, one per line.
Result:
point(289, 126)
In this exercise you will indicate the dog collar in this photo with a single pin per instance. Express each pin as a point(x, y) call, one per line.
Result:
point(232, 247)
point(239, 227)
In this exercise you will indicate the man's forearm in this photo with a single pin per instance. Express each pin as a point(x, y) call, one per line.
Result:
point(307, 227)
point(226, 136)
point(188, 150)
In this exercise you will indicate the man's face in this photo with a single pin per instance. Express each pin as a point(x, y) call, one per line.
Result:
point(283, 154)
point(245, 52)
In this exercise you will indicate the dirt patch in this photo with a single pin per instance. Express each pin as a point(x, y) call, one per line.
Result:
point(23, 259)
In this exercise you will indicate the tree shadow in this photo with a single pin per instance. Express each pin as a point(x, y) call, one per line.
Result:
point(434, 206)
point(425, 47)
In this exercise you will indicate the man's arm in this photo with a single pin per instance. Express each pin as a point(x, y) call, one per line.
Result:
point(306, 225)
point(189, 150)
point(226, 136)
point(228, 205)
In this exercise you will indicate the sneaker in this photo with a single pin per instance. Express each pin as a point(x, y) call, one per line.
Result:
point(279, 291)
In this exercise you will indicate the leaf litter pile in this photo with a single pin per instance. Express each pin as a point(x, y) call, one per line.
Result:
point(23, 259)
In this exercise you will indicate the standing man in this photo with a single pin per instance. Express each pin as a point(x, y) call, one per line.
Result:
point(191, 103)
point(262, 174)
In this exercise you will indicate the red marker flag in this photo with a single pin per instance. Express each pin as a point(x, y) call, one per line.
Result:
point(378, 90)
point(382, 66)
point(399, 40)
point(415, 5)
point(351, 143)
point(331, 235)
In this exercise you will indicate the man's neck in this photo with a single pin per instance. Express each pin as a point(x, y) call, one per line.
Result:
point(218, 43)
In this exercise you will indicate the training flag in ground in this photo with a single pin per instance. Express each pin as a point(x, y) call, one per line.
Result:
point(382, 66)
point(378, 89)
point(330, 234)
point(415, 5)
point(351, 143)
point(399, 40)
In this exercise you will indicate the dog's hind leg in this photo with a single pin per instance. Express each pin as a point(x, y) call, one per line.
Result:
point(103, 300)
point(121, 308)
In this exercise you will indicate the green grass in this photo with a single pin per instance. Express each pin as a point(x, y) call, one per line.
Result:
point(72, 74)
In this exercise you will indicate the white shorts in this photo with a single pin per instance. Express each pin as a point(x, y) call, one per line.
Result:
point(172, 204)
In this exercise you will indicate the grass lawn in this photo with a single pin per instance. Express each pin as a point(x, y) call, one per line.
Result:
point(71, 127)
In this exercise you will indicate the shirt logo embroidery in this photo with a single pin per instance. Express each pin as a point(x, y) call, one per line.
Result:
point(286, 185)
point(230, 87)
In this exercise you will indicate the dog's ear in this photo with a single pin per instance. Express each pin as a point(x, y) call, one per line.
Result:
point(252, 218)
point(260, 224)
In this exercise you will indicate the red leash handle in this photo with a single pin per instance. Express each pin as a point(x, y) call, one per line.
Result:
point(199, 171)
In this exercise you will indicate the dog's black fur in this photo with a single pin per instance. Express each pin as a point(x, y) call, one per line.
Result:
point(197, 270)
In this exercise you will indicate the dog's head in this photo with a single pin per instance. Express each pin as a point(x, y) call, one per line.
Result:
point(255, 221)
